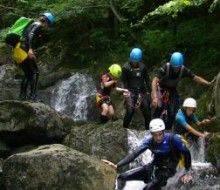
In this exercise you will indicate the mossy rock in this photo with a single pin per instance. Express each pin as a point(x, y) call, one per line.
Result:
point(56, 167)
point(213, 153)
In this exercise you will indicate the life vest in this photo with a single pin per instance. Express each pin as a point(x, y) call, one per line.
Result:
point(167, 81)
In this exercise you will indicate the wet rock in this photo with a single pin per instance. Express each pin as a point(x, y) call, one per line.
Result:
point(4, 149)
point(103, 141)
point(214, 150)
point(26, 123)
point(56, 167)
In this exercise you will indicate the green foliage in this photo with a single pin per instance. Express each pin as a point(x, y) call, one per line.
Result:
point(214, 5)
point(172, 9)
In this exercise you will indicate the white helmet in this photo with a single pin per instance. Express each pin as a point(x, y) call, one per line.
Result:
point(156, 125)
point(190, 103)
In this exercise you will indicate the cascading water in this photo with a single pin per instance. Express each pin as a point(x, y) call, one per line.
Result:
point(72, 96)
point(199, 165)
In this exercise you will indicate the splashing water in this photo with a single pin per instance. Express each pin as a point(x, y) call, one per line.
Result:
point(71, 96)
point(198, 162)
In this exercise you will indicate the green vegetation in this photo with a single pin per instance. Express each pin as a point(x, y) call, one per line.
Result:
point(92, 34)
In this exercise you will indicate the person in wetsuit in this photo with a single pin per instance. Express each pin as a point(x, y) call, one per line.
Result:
point(109, 82)
point(166, 149)
point(165, 83)
point(135, 78)
point(186, 117)
point(33, 35)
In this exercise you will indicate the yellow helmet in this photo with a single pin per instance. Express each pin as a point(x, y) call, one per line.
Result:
point(115, 70)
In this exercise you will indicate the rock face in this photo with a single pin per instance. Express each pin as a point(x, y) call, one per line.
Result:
point(24, 122)
point(214, 151)
point(103, 141)
point(56, 167)
point(217, 98)
point(214, 143)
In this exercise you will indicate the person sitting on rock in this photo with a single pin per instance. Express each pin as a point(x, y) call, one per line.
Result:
point(167, 150)
point(164, 87)
point(135, 78)
point(186, 117)
point(109, 82)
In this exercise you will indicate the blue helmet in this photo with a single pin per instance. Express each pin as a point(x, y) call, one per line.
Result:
point(49, 16)
point(136, 55)
point(176, 59)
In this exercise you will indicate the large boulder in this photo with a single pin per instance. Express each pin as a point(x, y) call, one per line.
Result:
point(24, 122)
point(56, 167)
point(107, 141)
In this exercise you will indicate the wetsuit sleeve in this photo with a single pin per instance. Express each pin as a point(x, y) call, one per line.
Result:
point(33, 32)
point(181, 147)
point(161, 72)
point(124, 77)
point(188, 73)
point(181, 120)
point(129, 158)
point(147, 79)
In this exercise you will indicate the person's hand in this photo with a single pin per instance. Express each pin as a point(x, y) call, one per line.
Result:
point(205, 121)
point(205, 134)
point(212, 82)
point(155, 102)
point(187, 178)
point(31, 54)
point(114, 166)
point(126, 94)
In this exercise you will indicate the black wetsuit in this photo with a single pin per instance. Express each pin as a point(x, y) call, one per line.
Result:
point(166, 158)
point(169, 81)
point(32, 36)
point(136, 80)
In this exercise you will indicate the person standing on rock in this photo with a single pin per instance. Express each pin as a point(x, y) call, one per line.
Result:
point(135, 78)
point(31, 34)
point(167, 150)
point(109, 82)
point(186, 117)
point(165, 98)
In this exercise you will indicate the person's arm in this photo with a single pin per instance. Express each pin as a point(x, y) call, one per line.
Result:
point(36, 28)
point(201, 80)
point(182, 122)
point(109, 83)
point(181, 147)
point(105, 81)
point(194, 131)
point(121, 89)
point(204, 122)
point(154, 97)
point(129, 158)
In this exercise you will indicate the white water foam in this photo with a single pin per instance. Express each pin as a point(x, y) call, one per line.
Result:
point(71, 96)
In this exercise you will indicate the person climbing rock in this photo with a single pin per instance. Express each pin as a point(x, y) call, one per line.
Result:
point(135, 78)
point(186, 117)
point(166, 149)
point(164, 87)
point(109, 82)
point(25, 36)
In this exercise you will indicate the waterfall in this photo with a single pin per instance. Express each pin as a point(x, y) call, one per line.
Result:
point(73, 96)
point(135, 138)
